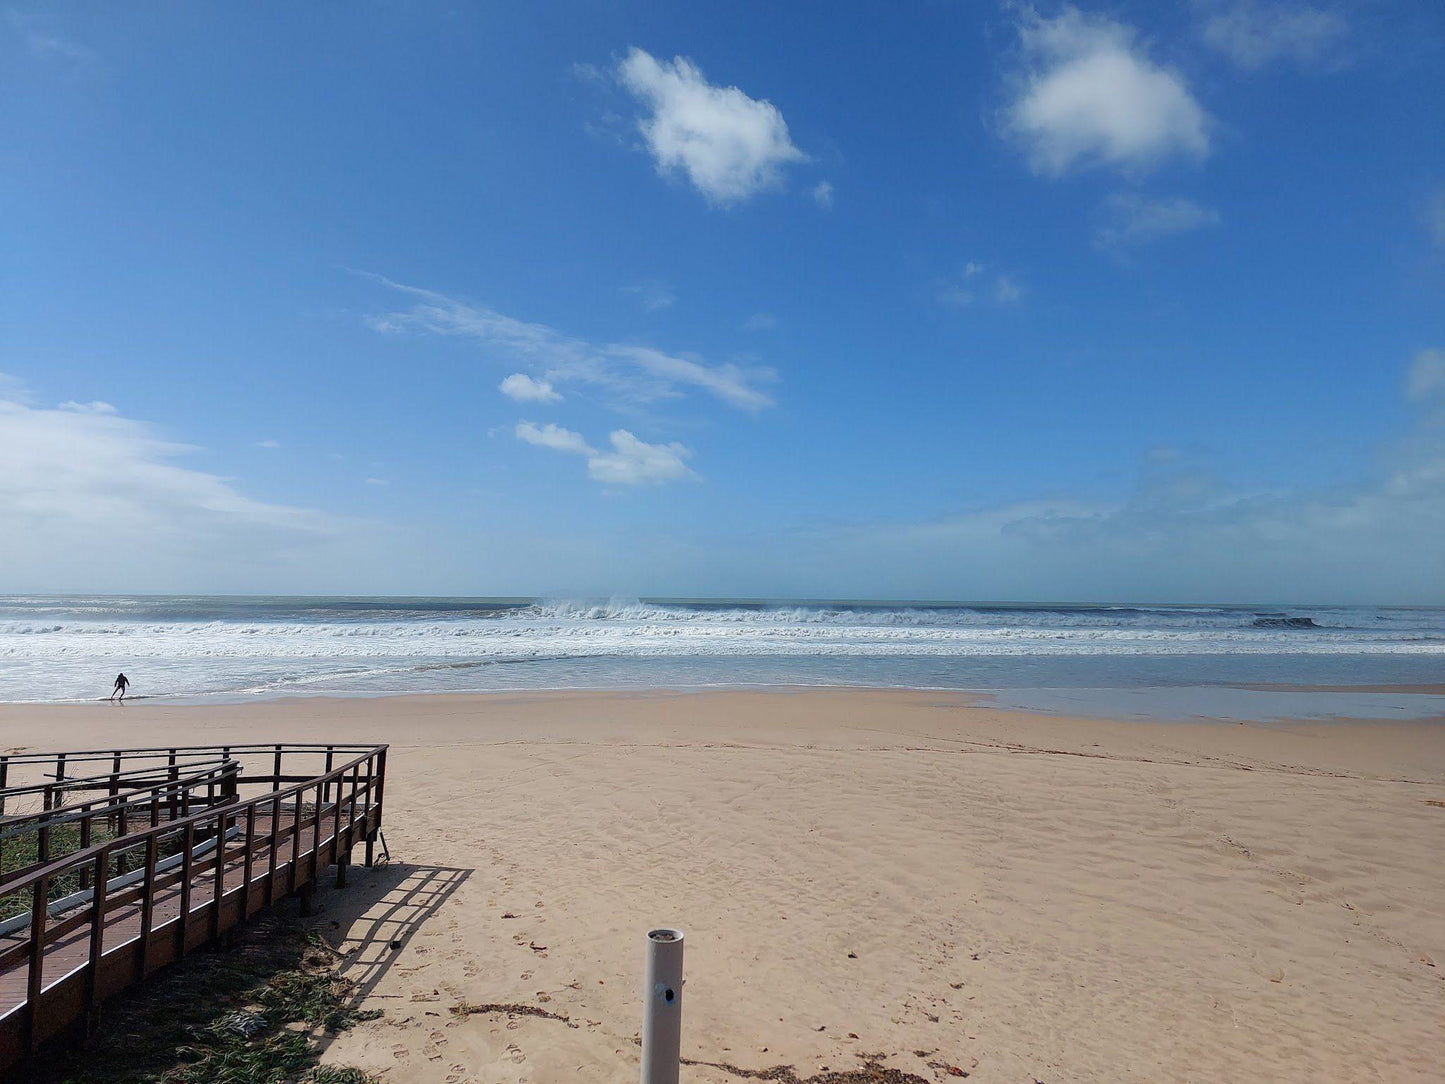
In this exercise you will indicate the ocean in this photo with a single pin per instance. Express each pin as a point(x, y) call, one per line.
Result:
point(1118, 660)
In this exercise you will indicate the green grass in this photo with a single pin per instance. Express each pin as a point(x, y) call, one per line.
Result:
point(177, 1027)
point(23, 850)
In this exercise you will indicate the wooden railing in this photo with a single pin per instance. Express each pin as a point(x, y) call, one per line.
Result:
point(113, 911)
point(145, 802)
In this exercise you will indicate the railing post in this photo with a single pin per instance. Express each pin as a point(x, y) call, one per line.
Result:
point(4, 781)
point(113, 790)
point(188, 843)
point(248, 861)
point(42, 841)
point(380, 787)
point(275, 846)
point(97, 930)
point(316, 836)
point(39, 913)
point(351, 810)
point(295, 841)
point(366, 822)
point(336, 822)
point(147, 906)
point(219, 884)
point(85, 818)
point(230, 780)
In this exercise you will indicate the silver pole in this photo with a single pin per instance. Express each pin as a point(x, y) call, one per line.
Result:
point(662, 1008)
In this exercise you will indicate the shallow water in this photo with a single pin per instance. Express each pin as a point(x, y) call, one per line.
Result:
point(1044, 657)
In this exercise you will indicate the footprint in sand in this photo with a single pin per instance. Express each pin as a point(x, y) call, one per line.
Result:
point(433, 1048)
point(514, 1054)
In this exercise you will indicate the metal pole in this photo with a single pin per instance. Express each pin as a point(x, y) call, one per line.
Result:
point(662, 1008)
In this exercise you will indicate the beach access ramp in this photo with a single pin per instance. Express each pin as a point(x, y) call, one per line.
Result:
point(114, 863)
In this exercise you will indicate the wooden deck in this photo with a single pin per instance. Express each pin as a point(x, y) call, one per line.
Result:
point(92, 944)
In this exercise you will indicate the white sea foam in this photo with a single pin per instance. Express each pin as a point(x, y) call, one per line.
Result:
point(57, 648)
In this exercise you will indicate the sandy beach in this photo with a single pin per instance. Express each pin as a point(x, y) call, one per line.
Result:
point(904, 878)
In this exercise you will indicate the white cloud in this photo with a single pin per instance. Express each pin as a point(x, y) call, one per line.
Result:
point(1129, 219)
point(977, 283)
point(651, 294)
point(726, 382)
point(630, 374)
point(93, 499)
point(523, 389)
point(1425, 380)
point(730, 146)
point(554, 437)
point(1253, 33)
point(95, 406)
point(760, 321)
point(634, 462)
point(381, 483)
point(631, 462)
point(1090, 95)
point(269, 444)
point(1006, 291)
point(823, 195)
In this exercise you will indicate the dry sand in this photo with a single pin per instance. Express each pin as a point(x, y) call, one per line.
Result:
point(890, 875)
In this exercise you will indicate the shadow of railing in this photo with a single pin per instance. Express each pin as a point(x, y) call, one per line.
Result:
point(382, 911)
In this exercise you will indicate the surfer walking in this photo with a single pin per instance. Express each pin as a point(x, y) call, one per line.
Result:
point(121, 684)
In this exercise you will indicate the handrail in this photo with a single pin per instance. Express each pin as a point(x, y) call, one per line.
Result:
point(125, 800)
point(59, 866)
point(91, 782)
point(80, 755)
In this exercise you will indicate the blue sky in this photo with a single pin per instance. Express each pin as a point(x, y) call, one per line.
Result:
point(936, 300)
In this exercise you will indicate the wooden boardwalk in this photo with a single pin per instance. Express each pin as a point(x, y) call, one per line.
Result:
point(109, 914)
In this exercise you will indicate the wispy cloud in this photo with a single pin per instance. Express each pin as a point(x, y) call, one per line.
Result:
point(651, 294)
point(823, 195)
point(268, 444)
point(729, 145)
point(380, 483)
point(1425, 381)
point(1090, 95)
point(627, 372)
point(760, 321)
point(977, 283)
point(86, 489)
point(44, 43)
point(1254, 33)
point(523, 389)
point(1127, 219)
point(1184, 532)
point(631, 462)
